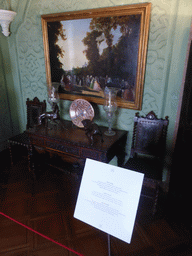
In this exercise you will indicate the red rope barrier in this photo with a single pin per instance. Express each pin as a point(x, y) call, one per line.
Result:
point(46, 237)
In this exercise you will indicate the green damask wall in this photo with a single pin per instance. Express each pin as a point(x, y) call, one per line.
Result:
point(169, 31)
point(5, 118)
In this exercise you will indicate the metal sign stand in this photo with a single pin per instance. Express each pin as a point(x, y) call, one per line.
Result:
point(109, 245)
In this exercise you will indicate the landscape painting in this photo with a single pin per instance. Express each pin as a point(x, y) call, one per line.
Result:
point(86, 52)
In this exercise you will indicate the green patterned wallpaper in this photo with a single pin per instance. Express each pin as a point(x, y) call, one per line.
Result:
point(5, 118)
point(169, 31)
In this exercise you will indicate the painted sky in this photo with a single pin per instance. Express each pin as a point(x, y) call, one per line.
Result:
point(75, 31)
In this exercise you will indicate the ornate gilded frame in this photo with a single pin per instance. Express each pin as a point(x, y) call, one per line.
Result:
point(138, 12)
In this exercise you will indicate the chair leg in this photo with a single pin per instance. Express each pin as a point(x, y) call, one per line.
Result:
point(154, 186)
point(156, 200)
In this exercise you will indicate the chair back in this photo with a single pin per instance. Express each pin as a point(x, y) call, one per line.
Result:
point(34, 109)
point(149, 135)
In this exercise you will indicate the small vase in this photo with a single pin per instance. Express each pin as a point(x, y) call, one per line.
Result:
point(53, 95)
point(110, 107)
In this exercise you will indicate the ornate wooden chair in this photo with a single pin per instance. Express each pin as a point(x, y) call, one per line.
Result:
point(147, 153)
point(34, 109)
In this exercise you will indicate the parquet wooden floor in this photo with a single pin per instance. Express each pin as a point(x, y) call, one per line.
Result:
point(47, 206)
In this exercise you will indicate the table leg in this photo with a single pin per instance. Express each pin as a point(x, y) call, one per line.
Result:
point(10, 152)
point(31, 165)
point(121, 151)
point(121, 159)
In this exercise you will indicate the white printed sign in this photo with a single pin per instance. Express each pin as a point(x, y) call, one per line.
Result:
point(108, 198)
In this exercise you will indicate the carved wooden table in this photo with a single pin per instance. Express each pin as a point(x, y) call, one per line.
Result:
point(71, 141)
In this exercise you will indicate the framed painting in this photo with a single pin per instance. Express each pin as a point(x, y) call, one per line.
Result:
point(85, 51)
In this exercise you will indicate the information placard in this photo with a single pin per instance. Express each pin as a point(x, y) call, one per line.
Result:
point(108, 198)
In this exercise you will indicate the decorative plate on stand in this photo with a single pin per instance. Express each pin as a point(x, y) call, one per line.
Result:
point(80, 110)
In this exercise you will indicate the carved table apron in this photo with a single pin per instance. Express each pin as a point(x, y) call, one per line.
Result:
point(71, 141)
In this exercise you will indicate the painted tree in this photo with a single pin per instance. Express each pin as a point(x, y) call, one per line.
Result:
point(92, 51)
point(115, 60)
point(55, 31)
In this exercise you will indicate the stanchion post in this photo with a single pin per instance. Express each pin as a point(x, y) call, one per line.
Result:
point(109, 245)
